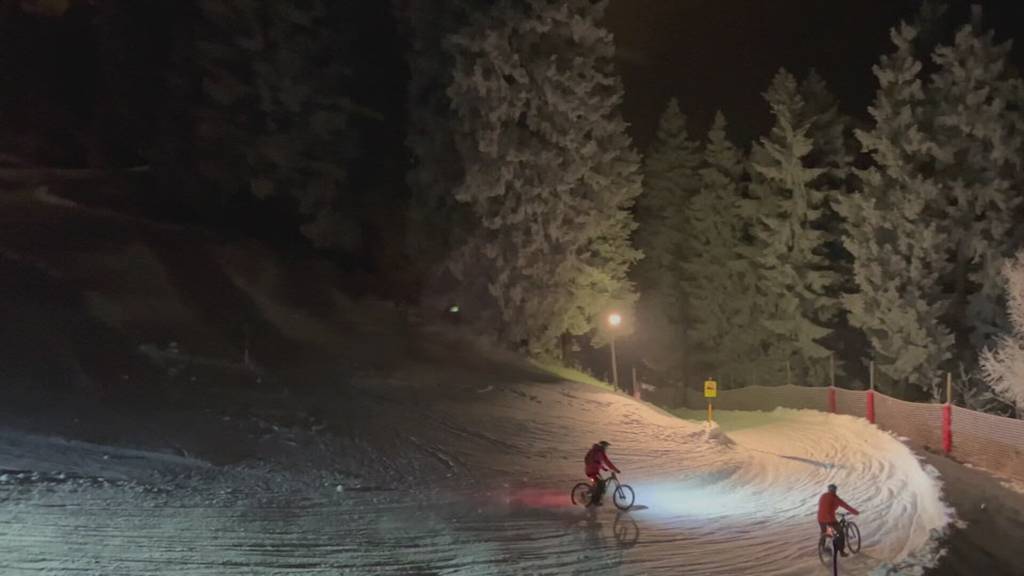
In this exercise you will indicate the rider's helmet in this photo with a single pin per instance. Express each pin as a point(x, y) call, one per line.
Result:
point(603, 444)
point(832, 488)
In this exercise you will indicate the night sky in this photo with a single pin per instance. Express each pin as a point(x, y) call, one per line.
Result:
point(723, 53)
point(709, 54)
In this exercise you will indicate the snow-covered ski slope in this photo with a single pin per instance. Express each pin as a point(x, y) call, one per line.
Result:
point(473, 478)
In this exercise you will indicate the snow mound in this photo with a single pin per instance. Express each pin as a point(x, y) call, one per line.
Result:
point(33, 457)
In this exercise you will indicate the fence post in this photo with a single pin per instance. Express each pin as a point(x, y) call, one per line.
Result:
point(832, 384)
point(246, 361)
point(636, 387)
point(870, 398)
point(788, 381)
point(947, 417)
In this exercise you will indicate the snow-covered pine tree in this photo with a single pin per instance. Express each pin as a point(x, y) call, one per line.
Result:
point(670, 182)
point(795, 280)
point(1003, 366)
point(977, 152)
point(274, 119)
point(894, 233)
point(834, 150)
point(436, 221)
point(829, 129)
point(549, 170)
point(720, 278)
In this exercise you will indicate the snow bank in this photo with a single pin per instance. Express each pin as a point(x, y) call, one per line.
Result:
point(23, 454)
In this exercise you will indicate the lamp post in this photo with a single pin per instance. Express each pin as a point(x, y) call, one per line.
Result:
point(614, 320)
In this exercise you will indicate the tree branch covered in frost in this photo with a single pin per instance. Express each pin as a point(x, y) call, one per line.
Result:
point(274, 115)
point(897, 244)
point(549, 171)
point(664, 235)
point(1003, 367)
point(791, 197)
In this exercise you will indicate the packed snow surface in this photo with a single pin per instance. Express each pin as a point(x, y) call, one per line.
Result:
point(474, 481)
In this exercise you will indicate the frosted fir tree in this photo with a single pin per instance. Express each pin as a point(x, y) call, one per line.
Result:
point(274, 120)
point(829, 129)
point(720, 278)
point(436, 222)
point(670, 181)
point(1003, 366)
point(795, 279)
point(895, 233)
point(833, 151)
point(834, 148)
point(977, 151)
point(550, 173)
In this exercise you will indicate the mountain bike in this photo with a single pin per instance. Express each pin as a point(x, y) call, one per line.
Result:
point(623, 495)
point(848, 531)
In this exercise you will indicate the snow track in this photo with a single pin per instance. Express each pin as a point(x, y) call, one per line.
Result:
point(758, 516)
point(493, 473)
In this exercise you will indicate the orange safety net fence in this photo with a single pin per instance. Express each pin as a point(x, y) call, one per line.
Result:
point(995, 443)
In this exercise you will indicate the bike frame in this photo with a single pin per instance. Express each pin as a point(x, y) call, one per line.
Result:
point(605, 481)
point(609, 485)
point(831, 532)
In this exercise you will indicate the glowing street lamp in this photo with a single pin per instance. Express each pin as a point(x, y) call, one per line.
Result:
point(614, 320)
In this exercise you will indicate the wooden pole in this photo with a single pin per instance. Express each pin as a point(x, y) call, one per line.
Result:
point(947, 417)
point(615, 368)
point(788, 380)
point(871, 375)
point(245, 356)
point(832, 370)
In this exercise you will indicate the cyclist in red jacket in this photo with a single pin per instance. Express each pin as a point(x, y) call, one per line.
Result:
point(827, 506)
point(595, 461)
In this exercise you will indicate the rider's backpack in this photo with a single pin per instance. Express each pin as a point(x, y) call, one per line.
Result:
point(591, 458)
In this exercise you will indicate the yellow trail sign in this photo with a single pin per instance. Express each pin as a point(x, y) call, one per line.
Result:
point(710, 388)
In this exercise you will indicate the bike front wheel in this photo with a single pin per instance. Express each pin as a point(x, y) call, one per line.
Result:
point(623, 497)
point(581, 494)
point(852, 537)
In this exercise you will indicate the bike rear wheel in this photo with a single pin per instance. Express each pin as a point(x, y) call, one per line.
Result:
point(581, 494)
point(623, 497)
point(852, 537)
point(825, 551)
